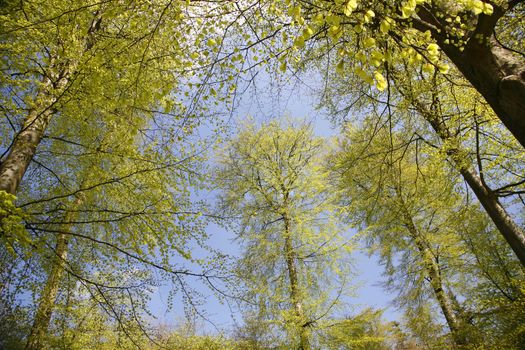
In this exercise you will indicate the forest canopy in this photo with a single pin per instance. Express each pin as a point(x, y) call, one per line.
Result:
point(138, 191)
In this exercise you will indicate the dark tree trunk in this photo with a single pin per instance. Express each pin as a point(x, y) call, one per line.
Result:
point(499, 75)
point(495, 71)
point(512, 233)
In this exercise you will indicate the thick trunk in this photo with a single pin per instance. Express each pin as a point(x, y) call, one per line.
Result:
point(58, 75)
point(433, 273)
point(494, 71)
point(50, 292)
point(499, 75)
point(13, 168)
point(512, 233)
point(304, 339)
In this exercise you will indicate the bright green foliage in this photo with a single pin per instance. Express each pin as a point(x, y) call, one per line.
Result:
point(369, 35)
point(367, 38)
point(135, 218)
point(12, 231)
point(111, 170)
point(82, 324)
point(85, 326)
point(122, 85)
point(186, 337)
point(405, 208)
point(406, 203)
point(470, 125)
point(256, 333)
point(472, 129)
point(108, 72)
point(295, 252)
point(364, 331)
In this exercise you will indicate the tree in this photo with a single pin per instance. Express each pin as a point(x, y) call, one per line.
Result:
point(399, 219)
point(293, 248)
point(371, 36)
point(412, 215)
point(390, 37)
point(91, 98)
point(117, 63)
point(452, 116)
point(430, 98)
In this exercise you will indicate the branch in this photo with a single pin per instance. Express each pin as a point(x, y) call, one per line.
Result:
point(129, 254)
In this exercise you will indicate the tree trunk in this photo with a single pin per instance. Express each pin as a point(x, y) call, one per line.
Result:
point(50, 291)
point(512, 233)
point(495, 71)
point(54, 83)
point(498, 75)
point(13, 168)
point(304, 339)
point(433, 272)
point(49, 295)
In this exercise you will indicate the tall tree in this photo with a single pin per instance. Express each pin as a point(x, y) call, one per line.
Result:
point(431, 99)
point(407, 205)
point(388, 207)
point(116, 62)
point(91, 98)
point(450, 115)
point(370, 36)
point(293, 246)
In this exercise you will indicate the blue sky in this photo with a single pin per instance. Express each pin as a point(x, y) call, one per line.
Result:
point(266, 99)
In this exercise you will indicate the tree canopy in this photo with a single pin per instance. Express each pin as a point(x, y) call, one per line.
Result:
point(126, 155)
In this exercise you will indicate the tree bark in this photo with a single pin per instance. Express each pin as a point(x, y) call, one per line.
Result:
point(50, 292)
point(304, 338)
point(54, 83)
point(499, 75)
point(512, 233)
point(13, 168)
point(433, 272)
point(495, 71)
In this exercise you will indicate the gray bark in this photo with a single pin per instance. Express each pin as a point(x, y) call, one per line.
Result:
point(433, 273)
point(304, 339)
point(513, 234)
point(499, 75)
point(49, 294)
point(13, 168)
point(54, 82)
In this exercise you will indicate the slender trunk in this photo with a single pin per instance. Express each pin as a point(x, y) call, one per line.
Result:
point(512, 233)
point(50, 291)
point(49, 295)
point(433, 272)
point(295, 296)
point(499, 75)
